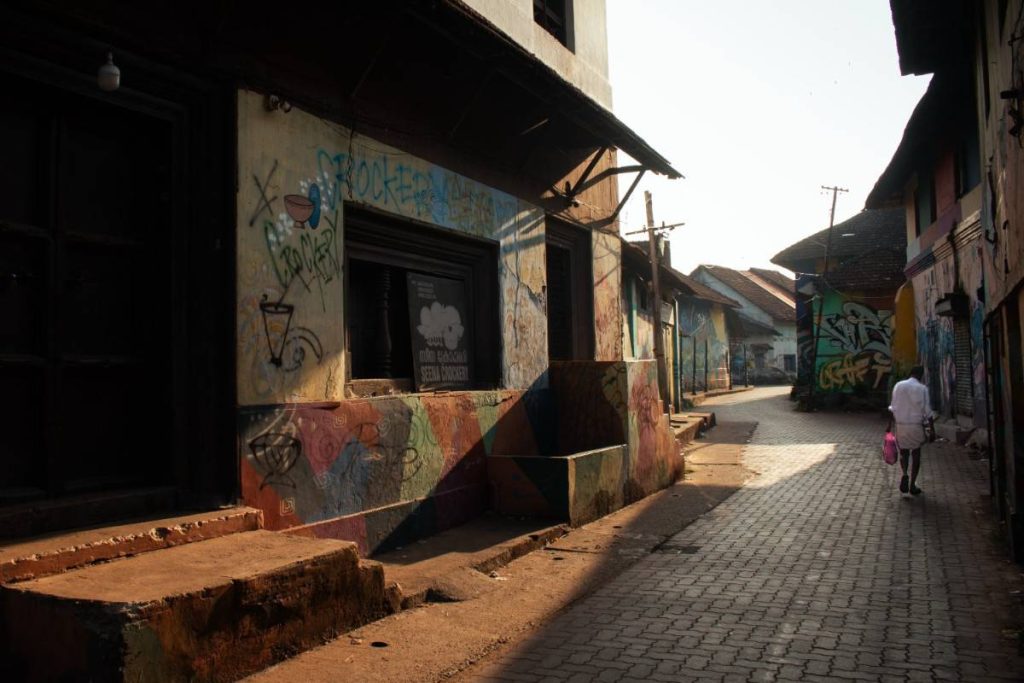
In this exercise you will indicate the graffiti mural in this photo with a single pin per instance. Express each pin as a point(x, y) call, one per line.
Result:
point(368, 469)
point(296, 172)
point(704, 362)
point(854, 347)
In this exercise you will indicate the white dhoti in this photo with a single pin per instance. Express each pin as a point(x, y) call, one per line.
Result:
point(911, 435)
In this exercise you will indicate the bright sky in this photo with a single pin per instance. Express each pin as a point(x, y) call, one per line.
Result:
point(758, 104)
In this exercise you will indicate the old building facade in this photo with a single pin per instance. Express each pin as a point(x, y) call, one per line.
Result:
point(325, 276)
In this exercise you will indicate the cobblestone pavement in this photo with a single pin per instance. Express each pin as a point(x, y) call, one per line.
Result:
point(818, 569)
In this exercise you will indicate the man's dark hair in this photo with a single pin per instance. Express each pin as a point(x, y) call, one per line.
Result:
point(917, 372)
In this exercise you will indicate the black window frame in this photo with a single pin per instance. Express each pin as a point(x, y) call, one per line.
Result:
point(556, 17)
point(376, 237)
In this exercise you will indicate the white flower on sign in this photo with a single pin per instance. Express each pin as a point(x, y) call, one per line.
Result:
point(440, 324)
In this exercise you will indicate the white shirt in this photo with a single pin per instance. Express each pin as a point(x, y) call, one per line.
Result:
point(910, 402)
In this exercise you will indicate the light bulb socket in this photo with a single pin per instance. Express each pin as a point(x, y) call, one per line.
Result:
point(108, 78)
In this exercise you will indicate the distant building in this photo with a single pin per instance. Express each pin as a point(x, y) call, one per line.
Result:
point(694, 319)
point(766, 316)
point(845, 304)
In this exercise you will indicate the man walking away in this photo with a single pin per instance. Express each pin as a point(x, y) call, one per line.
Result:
point(911, 411)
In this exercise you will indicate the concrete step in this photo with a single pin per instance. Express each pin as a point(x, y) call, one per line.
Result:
point(52, 554)
point(448, 566)
point(210, 611)
point(689, 425)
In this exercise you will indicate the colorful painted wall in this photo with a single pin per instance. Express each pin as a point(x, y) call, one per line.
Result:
point(854, 346)
point(615, 450)
point(702, 325)
point(385, 470)
point(936, 349)
point(295, 171)
point(382, 471)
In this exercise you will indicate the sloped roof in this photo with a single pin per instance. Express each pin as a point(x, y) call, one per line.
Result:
point(751, 291)
point(741, 326)
point(775, 277)
point(867, 251)
point(634, 254)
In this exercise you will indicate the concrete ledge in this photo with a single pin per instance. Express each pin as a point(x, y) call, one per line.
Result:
point(576, 488)
point(211, 611)
point(53, 554)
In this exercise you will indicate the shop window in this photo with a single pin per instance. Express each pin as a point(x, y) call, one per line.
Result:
point(555, 17)
point(395, 270)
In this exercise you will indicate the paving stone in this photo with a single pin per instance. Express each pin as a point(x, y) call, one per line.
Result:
point(817, 570)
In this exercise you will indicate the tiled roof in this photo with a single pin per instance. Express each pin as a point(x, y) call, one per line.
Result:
point(702, 291)
point(634, 254)
point(776, 278)
point(751, 291)
point(867, 251)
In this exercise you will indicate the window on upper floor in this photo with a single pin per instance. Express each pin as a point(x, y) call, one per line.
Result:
point(555, 17)
point(924, 202)
point(968, 160)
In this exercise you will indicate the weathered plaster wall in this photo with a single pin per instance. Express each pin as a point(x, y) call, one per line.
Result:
point(904, 340)
point(382, 471)
point(376, 471)
point(608, 284)
point(855, 346)
point(621, 403)
point(703, 322)
point(290, 297)
point(586, 66)
point(934, 333)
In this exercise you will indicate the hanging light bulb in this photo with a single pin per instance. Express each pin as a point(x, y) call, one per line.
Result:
point(109, 76)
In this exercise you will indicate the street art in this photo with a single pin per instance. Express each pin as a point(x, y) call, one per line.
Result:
point(867, 369)
point(615, 448)
point(854, 346)
point(857, 328)
point(703, 327)
point(300, 171)
point(364, 469)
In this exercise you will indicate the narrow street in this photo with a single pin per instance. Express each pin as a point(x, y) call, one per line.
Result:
point(816, 570)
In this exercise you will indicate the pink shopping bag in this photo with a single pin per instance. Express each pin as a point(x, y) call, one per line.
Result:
point(890, 449)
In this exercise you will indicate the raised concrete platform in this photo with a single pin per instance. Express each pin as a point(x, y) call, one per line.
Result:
point(690, 425)
point(56, 553)
point(693, 400)
point(210, 611)
point(453, 565)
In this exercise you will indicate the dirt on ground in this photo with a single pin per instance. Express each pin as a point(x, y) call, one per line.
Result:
point(489, 611)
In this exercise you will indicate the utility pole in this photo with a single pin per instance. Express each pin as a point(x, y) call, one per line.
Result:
point(835, 190)
point(659, 340)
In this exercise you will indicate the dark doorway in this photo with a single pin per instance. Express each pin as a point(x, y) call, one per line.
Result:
point(570, 292)
point(98, 379)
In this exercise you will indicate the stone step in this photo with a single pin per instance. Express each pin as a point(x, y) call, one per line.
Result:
point(210, 611)
point(38, 557)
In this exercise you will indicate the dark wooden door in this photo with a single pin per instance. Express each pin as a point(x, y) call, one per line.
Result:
point(85, 294)
point(570, 292)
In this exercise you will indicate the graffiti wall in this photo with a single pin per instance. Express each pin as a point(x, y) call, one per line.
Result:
point(855, 347)
point(380, 471)
point(617, 449)
point(295, 171)
point(936, 335)
point(704, 361)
